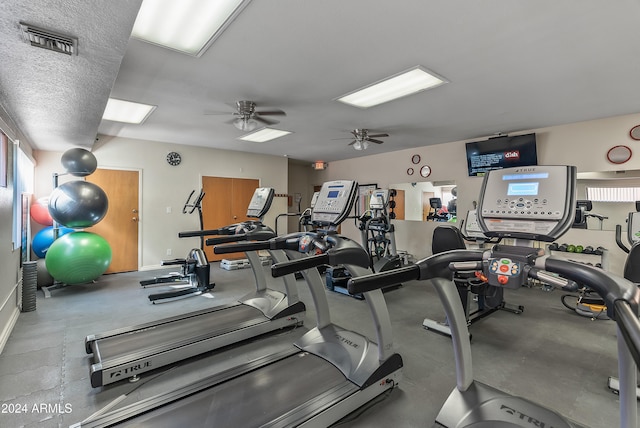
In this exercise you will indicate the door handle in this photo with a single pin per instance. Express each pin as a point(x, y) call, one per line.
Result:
point(134, 219)
point(134, 210)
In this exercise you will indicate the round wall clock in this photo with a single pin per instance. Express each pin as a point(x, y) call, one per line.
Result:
point(174, 158)
point(635, 132)
point(415, 159)
point(425, 171)
point(619, 154)
point(410, 171)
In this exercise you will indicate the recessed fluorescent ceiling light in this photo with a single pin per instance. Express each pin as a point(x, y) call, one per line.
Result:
point(126, 111)
point(188, 26)
point(264, 134)
point(400, 85)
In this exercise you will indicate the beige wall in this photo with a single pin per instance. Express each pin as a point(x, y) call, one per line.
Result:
point(583, 144)
point(164, 186)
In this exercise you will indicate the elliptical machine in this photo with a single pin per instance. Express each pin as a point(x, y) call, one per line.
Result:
point(378, 233)
point(195, 269)
point(378, 238)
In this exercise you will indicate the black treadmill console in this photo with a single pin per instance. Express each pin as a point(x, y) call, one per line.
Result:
point(334, 203)
point(260, 202)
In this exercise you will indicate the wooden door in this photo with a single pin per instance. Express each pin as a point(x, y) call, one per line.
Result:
point(225, 202)
point(120, 226)
point(399, 209)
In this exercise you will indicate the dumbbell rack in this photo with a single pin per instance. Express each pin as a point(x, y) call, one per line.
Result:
point(581, 257)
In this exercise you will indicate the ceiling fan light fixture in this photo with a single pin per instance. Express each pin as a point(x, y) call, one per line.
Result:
point(409, 82)
point(264, 134)
point(361, 145)
point(245, 124)
point(187, 26)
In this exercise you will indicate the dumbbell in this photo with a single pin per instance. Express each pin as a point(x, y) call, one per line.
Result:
point(563, 247)
point(598, 251)
point(588, 249)
point(553, 246)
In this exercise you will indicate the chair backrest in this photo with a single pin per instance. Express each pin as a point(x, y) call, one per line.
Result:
point(632, 265)
point(446, 238)
point(435, 202)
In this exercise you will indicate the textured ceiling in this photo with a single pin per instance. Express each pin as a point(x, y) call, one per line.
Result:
point(512, 66)
point(57, 100)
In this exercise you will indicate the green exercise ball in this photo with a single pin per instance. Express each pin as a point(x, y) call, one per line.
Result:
point(78, 257)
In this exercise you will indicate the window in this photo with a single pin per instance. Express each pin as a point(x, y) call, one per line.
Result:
point(613, 194)
point(23, 178)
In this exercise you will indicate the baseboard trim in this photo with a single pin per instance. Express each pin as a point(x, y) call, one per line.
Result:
point(6, 331)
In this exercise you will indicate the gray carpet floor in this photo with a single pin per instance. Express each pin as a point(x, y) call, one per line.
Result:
point(547, 354)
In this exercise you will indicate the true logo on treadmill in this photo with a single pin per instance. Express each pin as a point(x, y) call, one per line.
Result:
point(129, 371)
point(347, 341)
point(533, 421)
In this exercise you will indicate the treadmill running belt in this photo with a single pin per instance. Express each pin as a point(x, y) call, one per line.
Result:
point(206, 325)
point(256, 398)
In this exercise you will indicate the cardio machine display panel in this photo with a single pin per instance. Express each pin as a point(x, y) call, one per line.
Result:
point(528, 202)
point(334, 202)
point(379, 198)
point(260, 202)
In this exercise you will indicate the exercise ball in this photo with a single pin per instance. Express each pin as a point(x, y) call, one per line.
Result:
point(40, 212)
point(78, 257)
point(79, 162)
point(78, 204)
point(44, 238)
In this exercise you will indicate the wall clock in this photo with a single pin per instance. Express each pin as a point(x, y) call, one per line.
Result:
point(635, 132)
point(425, 171)
point(409, 171)
point(415, 159)
point(174, 158)
point(619, 154)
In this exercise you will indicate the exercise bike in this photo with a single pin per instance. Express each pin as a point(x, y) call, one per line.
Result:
point(471, 285)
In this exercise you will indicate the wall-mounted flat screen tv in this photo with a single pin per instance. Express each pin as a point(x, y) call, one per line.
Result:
point(501, 152)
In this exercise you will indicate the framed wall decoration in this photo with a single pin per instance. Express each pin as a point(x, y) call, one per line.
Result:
point(634, 133)
point(415, 159)
point(619, 154)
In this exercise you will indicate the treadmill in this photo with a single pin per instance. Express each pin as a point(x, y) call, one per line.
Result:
point(328, 373)
point(128, 352)
point(524, 204)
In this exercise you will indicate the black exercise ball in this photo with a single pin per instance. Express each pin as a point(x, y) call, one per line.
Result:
point(78, 204)
point(79, 162)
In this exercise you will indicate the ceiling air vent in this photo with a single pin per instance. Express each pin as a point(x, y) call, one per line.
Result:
point(51, 40)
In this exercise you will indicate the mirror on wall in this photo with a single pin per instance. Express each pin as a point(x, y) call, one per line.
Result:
point(612, 195)
point(426, 201)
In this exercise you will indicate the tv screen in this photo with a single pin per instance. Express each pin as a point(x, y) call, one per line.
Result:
point(501, 152)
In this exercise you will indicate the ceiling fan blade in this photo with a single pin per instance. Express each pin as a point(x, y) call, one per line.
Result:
point(371, 140)
point(263, 120)
point(378, 135)
point(271, 113)
point(353, 142)
point(218, 113)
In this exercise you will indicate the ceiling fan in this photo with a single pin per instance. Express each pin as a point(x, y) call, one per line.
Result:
point(247, 118)
point(363, 138)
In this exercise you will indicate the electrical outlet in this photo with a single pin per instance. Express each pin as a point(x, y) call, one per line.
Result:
point(168, 251)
